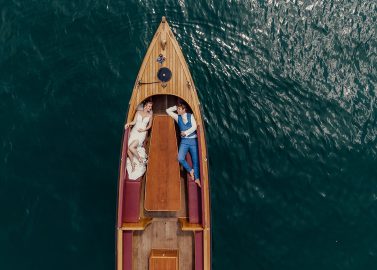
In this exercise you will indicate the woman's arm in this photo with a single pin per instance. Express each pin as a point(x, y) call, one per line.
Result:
point(150, 122)
point(131, 123)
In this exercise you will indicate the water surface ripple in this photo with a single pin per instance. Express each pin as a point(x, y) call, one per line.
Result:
point(288, 90)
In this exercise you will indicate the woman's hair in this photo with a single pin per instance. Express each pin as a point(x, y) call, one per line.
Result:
point(146, 102)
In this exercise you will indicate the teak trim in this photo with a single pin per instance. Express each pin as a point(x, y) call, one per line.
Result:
point(137, 226)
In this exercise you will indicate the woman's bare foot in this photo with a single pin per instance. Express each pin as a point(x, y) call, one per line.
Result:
point(197, 181)
point(192, 174)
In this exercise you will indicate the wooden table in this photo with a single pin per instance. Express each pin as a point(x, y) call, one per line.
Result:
point(163, 187)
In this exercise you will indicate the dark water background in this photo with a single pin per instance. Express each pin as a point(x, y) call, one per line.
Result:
point(288, 90)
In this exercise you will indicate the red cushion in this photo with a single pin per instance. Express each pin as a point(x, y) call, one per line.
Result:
point(127, 250)
point(194, 197)
point(199, 251)
point(131, 200)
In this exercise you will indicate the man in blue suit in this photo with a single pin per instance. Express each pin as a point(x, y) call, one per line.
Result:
point(189, 142)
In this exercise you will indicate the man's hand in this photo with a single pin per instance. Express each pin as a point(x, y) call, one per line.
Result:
point(140, 129)
point(183, 134)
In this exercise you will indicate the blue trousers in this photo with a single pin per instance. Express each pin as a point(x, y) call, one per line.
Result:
point(193, 149)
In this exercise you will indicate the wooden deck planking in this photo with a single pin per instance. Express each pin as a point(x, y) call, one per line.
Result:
point(163, 259)
point(181, 78)
point(179, 75)
point(172, 64)
point(151, 74)
point(163, 234)
point(158, 50)
point(178, 84)
point(175, 84)
point(148, 76)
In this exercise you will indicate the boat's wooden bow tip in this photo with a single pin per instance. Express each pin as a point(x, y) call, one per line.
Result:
point(163, 35)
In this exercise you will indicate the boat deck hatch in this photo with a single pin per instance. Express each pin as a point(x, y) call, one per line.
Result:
point(162, 259)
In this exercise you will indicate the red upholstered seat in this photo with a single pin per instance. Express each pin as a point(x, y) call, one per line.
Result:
point(127, 250)
point(194, 197)
point(199, 263)
point(131, 200)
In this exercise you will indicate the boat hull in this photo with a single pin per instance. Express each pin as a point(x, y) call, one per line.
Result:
point(164, 211)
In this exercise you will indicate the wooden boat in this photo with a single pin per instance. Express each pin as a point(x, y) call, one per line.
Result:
point(163, 217)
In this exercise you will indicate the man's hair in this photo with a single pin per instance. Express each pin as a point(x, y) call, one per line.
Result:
point(182, 106)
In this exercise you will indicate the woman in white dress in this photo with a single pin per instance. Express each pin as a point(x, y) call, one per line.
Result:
point(142, 123)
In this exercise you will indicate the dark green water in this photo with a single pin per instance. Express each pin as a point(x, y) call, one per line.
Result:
point(288, 90)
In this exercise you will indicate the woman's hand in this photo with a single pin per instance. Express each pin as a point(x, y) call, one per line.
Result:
point(127, 125)
point(141, 129)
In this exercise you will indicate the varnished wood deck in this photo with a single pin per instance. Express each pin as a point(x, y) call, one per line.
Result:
point(162, 191)
point(163, 233)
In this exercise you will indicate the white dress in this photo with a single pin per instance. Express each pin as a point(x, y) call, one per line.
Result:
point(135, 134)
point(140, 167)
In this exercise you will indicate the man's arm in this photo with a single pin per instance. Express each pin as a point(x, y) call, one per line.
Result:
point(170, 112)
point(193, 126)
